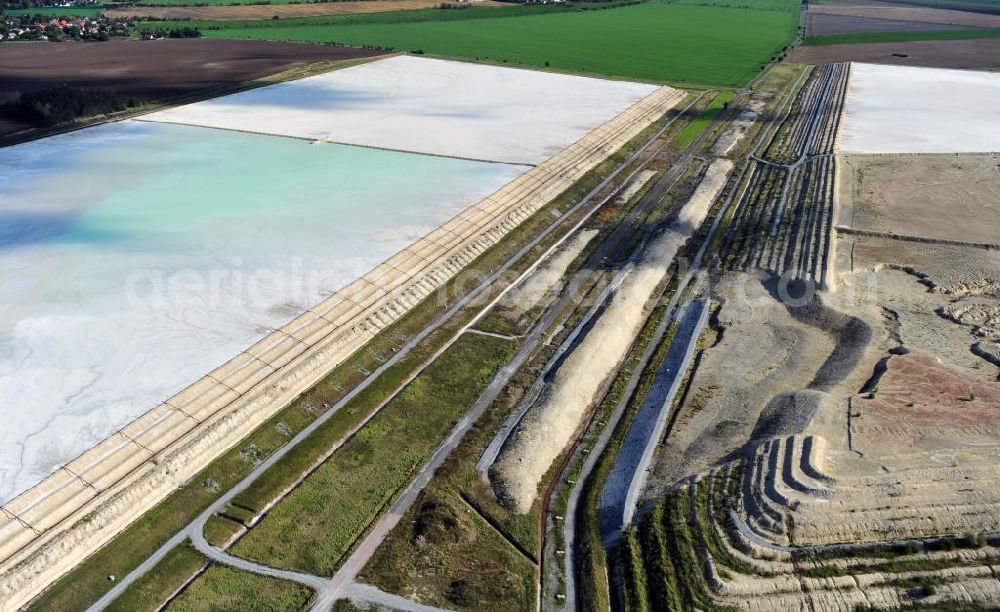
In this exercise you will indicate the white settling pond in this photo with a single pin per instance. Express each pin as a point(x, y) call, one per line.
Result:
point(902, 109)
point(427, 106)
point(135, 257)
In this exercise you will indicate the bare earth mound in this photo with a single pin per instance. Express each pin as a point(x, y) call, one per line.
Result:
point(150, 70)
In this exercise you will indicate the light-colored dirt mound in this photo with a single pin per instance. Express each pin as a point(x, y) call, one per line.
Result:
point(981, 313)
point(550, 424)
point(738, 128)
point(546, 278)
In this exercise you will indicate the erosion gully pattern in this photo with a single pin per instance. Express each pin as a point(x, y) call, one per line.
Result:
point(764, 532)
point(784, 217)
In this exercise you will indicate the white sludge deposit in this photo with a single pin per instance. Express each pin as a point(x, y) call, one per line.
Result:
point(136, 257)
point(902, 109)
point(178, 248)
point(550, 424)
point(426, 106)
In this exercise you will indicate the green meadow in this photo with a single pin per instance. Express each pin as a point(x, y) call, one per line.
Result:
point(655, 41)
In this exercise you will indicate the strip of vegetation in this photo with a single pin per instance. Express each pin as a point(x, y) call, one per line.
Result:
point(62, 103)
point(695, 129)
point(225, 588)
point(882, 37)
point(162, 581)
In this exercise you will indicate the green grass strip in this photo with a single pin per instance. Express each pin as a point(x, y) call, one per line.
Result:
point(699, 125)
point(881, 37)
point(317, 524)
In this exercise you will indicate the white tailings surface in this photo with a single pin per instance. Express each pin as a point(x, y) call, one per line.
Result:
point(426, 106)
point(901, 109)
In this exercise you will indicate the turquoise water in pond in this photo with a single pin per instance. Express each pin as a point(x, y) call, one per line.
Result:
point(135, 257)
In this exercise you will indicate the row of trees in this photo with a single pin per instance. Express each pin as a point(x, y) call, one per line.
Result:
point(62, 103)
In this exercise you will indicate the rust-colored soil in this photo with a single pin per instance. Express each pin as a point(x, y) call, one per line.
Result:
point(284, 11)
point(923, 405)
point(962, 54)
point(151, 70)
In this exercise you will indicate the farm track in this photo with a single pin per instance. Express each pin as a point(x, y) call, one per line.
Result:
point(784, 220)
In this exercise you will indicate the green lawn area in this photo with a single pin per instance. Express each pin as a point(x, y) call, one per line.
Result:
point(699, 125)
point(58, 11)
point(656, 41)
point(319, 522)
point(877, 37)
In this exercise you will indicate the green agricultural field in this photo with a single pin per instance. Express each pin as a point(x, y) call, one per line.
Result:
point(58, 11)
point(879, 37)
point(656, 41)
point(761, 5)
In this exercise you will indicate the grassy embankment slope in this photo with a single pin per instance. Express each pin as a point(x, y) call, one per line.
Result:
point(656, 41)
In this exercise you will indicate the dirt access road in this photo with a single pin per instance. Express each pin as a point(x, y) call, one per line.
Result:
point(152, 69)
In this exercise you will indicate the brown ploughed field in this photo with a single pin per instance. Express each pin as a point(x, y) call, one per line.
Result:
point(153, 70)
point(283, 11)
point(961, 54)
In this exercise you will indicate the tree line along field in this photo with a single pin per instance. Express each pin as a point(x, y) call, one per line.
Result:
point(655, 41)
